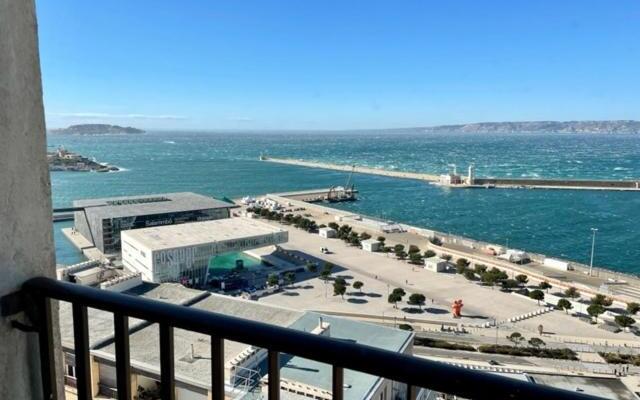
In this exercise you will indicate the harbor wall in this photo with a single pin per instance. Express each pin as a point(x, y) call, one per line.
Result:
point(559, 183)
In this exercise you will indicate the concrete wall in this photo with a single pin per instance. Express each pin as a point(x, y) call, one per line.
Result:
point(26, 236)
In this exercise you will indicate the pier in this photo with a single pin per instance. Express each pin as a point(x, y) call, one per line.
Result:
point(354, 168)
point(453, 180)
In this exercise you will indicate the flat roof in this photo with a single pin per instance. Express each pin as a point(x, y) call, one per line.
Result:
point(144, 344)
point(198, 233)
point(319, 375)
point(161, 203)
point(101, 322)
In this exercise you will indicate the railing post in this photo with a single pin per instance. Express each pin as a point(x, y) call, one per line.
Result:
point(412, 392)
point(47, 355)
point(274, 375)
point(123, 364)
point(338, 383)
point(217, 368)
point(167, 381)
point(81, 348)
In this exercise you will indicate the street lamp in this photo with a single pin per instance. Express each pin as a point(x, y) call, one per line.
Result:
point(593, 247)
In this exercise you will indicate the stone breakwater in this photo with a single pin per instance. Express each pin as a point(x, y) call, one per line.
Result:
point(354, 168)
point(504, 183)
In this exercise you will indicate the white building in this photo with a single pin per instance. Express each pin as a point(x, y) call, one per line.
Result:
point(327, 232)
point(371, 245)
point(179, 253)
point(435, 264)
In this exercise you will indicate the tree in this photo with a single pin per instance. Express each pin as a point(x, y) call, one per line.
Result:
point(289, 278)
point(572, 292)
point(508, 284)
point(480, 269)
point(327, 266)
point(633, 308)
point(324, 275)
point(399, 291)
point(333, 225)
point(536, 342)
point(565, 305)
point(415, 258)
point(544, 285)
point(537, 294)
point(381, 239)
point(516, 338)
point(312, 267)
point(522, 279)
point(624, 321)
point(594, 310)
point(435, 241)
point(429, 254)
point(417, 299)
point(394, 298)
point(401, 254)
point(469, 274)
point(365, 236)
point(602, 300)
point(341, 281)
point(272, 280)
point(461, 265)
point(446, 257)
point(339, 288)
point(358, 285)
point(413, 249)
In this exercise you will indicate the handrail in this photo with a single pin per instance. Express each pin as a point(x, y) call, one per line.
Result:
point(340, 354)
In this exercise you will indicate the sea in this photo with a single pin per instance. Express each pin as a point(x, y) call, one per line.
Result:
point(226, 164)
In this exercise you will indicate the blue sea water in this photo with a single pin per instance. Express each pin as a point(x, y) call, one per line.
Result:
point(553, 222)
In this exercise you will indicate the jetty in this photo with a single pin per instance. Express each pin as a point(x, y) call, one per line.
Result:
point(454, 180)
point(354, 168)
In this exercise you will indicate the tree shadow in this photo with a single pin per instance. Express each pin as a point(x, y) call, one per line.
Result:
point(433, 310)
point(357, 301)
point(475, 316)
point(412, 310)
point(357, 294)
point(291, 294)
point(306, 287)
point(373, 294)
point(345, 277)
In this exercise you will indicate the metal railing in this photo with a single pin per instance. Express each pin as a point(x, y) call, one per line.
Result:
point(415, 372)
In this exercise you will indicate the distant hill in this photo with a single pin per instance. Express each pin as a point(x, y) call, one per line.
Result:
point(96, 129)
point(622, 126)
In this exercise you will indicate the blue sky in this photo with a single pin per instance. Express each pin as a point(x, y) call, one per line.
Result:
point(337, 64)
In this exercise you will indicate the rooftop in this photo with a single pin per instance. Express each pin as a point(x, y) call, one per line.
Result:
point(196, 369)
point(357, 384)
point(129, 206)
point(101, 322)
point(197, 233)
point(144, 344)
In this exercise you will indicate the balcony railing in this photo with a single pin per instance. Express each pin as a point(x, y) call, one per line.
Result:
point(37, 294)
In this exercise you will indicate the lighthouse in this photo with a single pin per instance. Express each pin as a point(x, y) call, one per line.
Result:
point(472, 175)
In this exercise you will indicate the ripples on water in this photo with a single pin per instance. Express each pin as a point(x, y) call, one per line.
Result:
point(552, 222)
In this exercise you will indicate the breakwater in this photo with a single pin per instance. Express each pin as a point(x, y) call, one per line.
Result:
point(587, 184)
point(506, 183)
point(354, 168)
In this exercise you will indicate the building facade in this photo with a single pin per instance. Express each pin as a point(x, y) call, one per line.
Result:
point(181, 253)
point(100, 221)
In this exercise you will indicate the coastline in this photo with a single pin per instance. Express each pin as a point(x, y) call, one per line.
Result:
point(620, 285)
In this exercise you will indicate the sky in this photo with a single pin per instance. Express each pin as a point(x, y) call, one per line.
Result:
point(251, 65)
